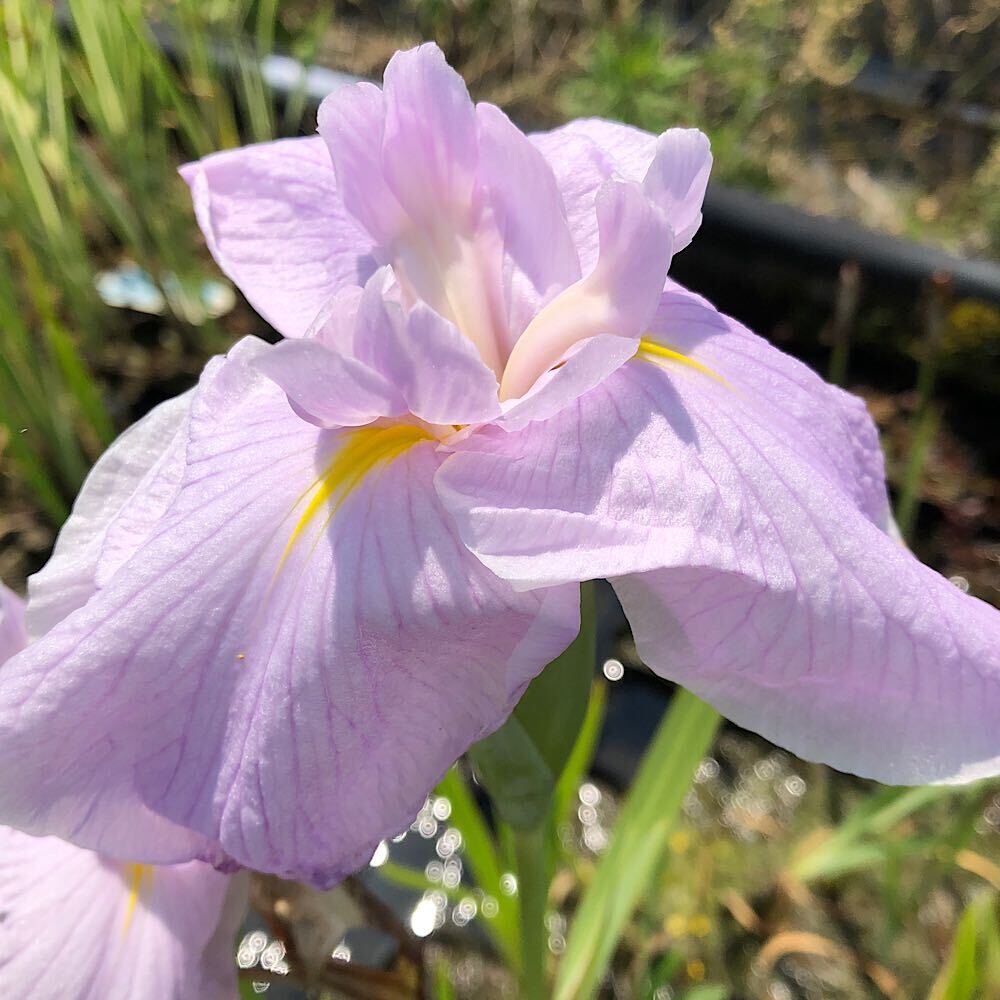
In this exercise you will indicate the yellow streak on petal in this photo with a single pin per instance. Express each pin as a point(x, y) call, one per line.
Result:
point(650, 350)
point(138, 875)
point(363, 450)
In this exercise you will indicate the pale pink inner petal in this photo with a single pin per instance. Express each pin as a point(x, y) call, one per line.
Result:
point(352, 122)
point(539, 257)
point(583, 155)
point(430, 147)
point(406, 161)
point(419, 362)
point(454, 266)
point(327, 388)
point(619, 296)
point(586, 367)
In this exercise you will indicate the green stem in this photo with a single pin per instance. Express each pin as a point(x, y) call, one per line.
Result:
point(531, 851)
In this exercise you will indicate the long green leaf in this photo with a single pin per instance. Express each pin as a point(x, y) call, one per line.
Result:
point(637, 844)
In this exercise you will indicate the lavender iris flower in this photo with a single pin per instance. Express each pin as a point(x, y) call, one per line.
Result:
point(287, 601)
point(74, 924)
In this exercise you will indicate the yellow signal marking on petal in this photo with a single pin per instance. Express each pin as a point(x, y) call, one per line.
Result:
point(363, 450)
point(650, 350)
point(137, 876)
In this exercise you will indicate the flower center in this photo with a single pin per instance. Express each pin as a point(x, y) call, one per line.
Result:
point(451, 272)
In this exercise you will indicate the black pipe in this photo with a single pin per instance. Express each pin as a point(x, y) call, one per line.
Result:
point(742, 216)
point(772, 227)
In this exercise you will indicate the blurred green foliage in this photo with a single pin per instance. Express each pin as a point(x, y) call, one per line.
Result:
point(95, 120)
point(638, 72)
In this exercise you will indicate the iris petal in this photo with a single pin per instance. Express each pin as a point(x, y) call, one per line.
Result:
point(293, 718)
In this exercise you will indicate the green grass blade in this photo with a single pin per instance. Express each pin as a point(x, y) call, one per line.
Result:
point(967, 975)
point(854, 844)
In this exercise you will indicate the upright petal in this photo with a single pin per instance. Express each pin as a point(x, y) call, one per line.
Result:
point(352, 124)
point(677, 179)
point(583, 155)
point(406, 159)
point(406, 156)
point(75, 925)
point(289, 661)
point(673, 168)
point(748, 554)
point(539, 258)
point(275, 223)
point(430, 148)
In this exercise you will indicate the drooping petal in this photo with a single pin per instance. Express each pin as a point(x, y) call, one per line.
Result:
point(835, 423)
point(826, 635)
point(287, 664)
point(75, 925)
point(619, 296)
point(13, 636)
point(570, 497)
point(70, 577)
point(275, 223)
point(750, 564)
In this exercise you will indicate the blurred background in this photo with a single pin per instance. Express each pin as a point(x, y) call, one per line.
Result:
point(854, 219)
